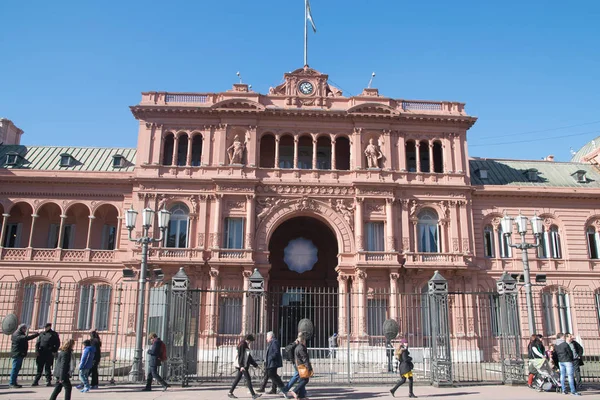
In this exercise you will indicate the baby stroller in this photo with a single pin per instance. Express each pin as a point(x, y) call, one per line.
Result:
point(545, 379)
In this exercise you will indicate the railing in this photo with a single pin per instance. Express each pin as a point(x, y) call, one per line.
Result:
point(435, 257)
point(14, 254)
point(172, 253)
point(231, 254)
point(421, 106)
point(102, 256)
point(186, 98)
point(57, 255)
point(377, 256)
point(44, 255)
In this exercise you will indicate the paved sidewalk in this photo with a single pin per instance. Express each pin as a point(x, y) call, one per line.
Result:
point(360, 392)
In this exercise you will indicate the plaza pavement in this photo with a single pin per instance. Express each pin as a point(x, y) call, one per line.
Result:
point(207, 392)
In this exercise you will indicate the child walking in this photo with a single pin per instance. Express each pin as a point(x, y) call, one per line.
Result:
point(86, 364)
point(405, 369)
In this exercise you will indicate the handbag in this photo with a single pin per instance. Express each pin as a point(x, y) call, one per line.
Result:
point(304, 372)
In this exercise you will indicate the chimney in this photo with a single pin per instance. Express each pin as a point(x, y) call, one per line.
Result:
point(372, 92)
point(550, 158)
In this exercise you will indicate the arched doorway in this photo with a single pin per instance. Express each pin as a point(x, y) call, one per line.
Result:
point(303, 280)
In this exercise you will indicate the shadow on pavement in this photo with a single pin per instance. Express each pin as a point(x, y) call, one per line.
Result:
point(448, 394)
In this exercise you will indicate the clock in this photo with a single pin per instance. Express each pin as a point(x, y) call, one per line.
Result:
point(306, 88)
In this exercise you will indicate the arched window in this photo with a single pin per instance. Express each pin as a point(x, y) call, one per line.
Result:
point(305, 152)
point(556, 309)
point(182, 148)
point(168, 149)
point(342, 153)
point(267, 151)
point(411, 156)
point(286, 152)
point(438, 157)
point(36, 298)
point(504, 244)
point(428, 231)
point(197, 150)
point(550, 243)
point(324, 152)
point(593, 241)
point(424, 156)
point(177, 233)
point(94, 305)
point(488, 241)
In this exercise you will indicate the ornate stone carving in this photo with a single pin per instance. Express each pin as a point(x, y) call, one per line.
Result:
point(373, 154)
point(394, 276)
point(375, 191)
point(465, 245)
point(201, 240)
point(162, 201)
point(246, 273)
point(344, 207)
point(413, 207)
point(374, 207)
point(236, 151)
point(213, 273)
point(249, 240)
point(236, 205)
point(405, 244)
point(235, 188)
point(306, 203)
point(445, 206)
point(305, 189)
point(264, 205)
point(455, 247)
point(360, 274)
point(391, 243)
point(194, 202)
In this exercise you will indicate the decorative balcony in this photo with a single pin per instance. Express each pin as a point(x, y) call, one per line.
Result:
point(170, 254)
point(377, 257)
point(57, 255)
point(231, 255)
point(437, 259)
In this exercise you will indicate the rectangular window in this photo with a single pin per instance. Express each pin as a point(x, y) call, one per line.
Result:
point(376, 315)
point(494, 304)
point(45, 298)
point(562, 312)
point(428, 238)
point(12, 236)
point(157, 310)
point(109, 236)
point(488, 242)
point(86, 302)
point(505, 249)
point(102, 307)
point(234, 233)
point(598, 308)
point(68, 236)
point(94, 305)
point(593, 242)
point(28, 303)
point(230, 315)
point(375, 236)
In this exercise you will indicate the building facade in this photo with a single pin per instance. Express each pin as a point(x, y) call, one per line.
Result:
point(359, 198)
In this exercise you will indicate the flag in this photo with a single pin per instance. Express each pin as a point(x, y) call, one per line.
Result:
point(309, 16)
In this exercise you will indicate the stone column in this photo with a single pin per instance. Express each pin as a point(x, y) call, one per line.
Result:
point(202, 223)
point(217, 222)
point(418, 154)
point(405, 231)
point(245, 303)
point(431, 163)
point(277, 138)
point(401, 152)
point(464, 230)
point(415, 241)
point(60, 231)
point(296, 152)
point(447, 152)
point(333, 160)
point(33, 218)
point(342, 303)
point(389, 224)
point(250, 204)
point(458, 154)
point(89, 233)
point(207, 148)
point(394, 276)
point(188, 159)
point(175, 148)
point(358, 223)
point(118, 233)
point(251, 140)
point(314, 153)
point(213, 307)
point(361, 277)
point(3, 233)
point(386, 162)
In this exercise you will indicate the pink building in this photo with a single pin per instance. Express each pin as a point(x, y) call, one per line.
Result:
point(346, 205)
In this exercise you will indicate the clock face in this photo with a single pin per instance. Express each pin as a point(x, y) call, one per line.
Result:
point(306, 87)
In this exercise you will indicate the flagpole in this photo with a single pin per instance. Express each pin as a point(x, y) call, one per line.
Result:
point(305, 32)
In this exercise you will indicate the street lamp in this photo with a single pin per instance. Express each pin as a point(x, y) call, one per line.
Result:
point(137, 371)
point(537, 229)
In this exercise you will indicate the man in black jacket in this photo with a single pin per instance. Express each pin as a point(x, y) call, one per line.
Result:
point(46, 348)
point(155, 354)
point(274, 361)
point(565, 362)
point(577, 351)
point(20, 346)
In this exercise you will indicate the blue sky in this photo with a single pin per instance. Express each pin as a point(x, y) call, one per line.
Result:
point(70, 69)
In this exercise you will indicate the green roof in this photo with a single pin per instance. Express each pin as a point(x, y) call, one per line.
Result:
point(48, 158)
point(586, 149)
point(545, 173)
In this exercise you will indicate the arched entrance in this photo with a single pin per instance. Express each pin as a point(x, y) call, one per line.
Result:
point(303, 253)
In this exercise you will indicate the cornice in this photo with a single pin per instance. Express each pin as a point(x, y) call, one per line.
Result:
point(536, 192)
point(74, 195)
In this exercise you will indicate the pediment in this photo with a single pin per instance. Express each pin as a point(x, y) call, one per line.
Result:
point(372, 108)
point(238, 104)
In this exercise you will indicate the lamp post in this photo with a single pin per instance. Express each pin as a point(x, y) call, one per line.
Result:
point(137, 371)
point(537, 229)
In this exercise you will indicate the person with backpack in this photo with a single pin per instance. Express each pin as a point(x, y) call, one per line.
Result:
point(63, 370)
point(244, 361)
point(85, 365)
point(158, 354)
point(405, 369)
point(303, 366)
point(97, 343)
point(45, 348)
point(289, 351)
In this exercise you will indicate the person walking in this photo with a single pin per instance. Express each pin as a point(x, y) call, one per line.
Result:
point(265, 379)
point(20, 346)
point(291, 350)
point(302, 361)
point(156, 353)
point(333, 344)
point(535, 353)
point(85, 365)
point(274, 361)
point(405, 369)
point(46, 348)
point(244, 361)
point(577, 350)
point(565, 363)
point(97, 343)
point(63, 370)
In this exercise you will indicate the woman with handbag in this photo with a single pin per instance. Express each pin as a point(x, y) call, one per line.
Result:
point(63, 370)
point(405, 369)
point(304, 367)
point(244, 361)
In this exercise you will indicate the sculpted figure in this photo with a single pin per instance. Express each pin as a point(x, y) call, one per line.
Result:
point(373, 154)
point(236, 151)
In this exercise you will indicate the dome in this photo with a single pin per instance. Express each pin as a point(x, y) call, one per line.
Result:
point(586, 149)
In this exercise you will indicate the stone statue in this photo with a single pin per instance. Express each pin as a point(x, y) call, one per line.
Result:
point(347, 211)
point(373, 154)
point(236, 151)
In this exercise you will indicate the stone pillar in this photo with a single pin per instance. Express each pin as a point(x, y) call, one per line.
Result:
point(441, 352)
point(361, 277)
point(401, 143)
point(415, 241)
point(357, 152)
point(314, 153)
point(175, 148)
point(358, 223)
point(33, 218)
point(296, 152)
point(188, 158)
point(217, 222)
point(245, 303)
point(60, 231)
point(447, 152)
point(386, 162)
point(394, 276)
point(333, 160)
point(213, 307)
point(250, 141)
point(405, 231)
point(118, 233)
point(277, 138)
point(3, 233)
point(389, 224)
point(418, 154)
point(89, 233)
point(464, 227)
point(458, 154)
point(207, 146)
point(201, 225)
point(250, 204)
point(342, 303)
point(431, 163)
